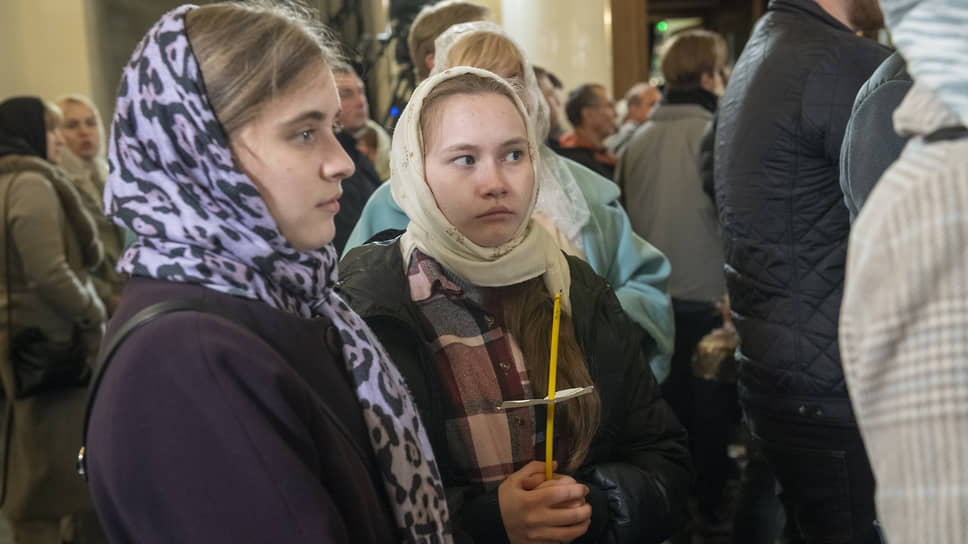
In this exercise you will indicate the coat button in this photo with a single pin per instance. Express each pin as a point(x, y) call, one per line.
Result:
point(818, 412)
point(802, 410)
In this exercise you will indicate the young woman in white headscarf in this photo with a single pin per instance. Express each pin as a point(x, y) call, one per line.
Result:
point(268, 411)
point(578, 207)
point(463, 302)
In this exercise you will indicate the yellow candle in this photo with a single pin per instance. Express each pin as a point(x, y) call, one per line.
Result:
point(552, 375)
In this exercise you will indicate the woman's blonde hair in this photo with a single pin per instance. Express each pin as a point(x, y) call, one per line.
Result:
point(488, 51)
point(53, 116)
point(529, 309)
point(251, 52)
point(528, 316)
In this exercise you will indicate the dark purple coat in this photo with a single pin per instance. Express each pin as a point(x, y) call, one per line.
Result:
point(203, 432)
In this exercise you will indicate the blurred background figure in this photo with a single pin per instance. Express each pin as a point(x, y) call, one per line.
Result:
point(355, 117)
point(639, 101)
point(431, 22)
point(53, 323)
point(904, 321)
point(550, 88)
point(591, 112)
point(658, 173)
point(84, 159)
point(784, 227)
point(870, 143)
point(366, 143)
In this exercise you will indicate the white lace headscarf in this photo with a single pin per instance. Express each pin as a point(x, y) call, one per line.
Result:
point(560, 198)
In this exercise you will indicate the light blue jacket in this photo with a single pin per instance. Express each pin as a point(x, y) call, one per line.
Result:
point(637, 271)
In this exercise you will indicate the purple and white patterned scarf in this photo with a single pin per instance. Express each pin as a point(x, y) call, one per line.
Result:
point(198, 219)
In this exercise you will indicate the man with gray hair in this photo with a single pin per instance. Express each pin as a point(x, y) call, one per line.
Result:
point(640, 99)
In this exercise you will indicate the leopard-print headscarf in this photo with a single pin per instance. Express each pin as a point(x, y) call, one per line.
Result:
point(199, 219)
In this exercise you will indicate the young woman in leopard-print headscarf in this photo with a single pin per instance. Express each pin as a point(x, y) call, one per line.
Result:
point(287, 423)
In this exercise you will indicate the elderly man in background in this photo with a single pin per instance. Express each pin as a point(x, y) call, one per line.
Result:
point(591, 111)
point(550, 85)
point(355, 116)
point(640, 100)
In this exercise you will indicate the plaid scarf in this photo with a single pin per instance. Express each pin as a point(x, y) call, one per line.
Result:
point(481, 366)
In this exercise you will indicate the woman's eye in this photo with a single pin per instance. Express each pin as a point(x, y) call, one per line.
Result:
point(515, 155)
point(307, 136)
point(465, 160)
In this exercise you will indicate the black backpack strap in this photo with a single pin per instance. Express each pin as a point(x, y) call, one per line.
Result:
point(947, 133)
point(138, 320)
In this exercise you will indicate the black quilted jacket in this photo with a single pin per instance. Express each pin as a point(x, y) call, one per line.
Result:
point(780, 128)
point(638, 468)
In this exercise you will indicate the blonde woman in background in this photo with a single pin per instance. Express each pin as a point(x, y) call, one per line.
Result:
point(84, 159)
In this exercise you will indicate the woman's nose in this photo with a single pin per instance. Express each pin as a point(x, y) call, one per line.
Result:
point(337, 164)
point(493, 181)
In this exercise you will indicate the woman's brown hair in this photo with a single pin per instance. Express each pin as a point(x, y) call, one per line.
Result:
point(251, 52)
point(528, 316)
point(529, 311)
point(690, 54)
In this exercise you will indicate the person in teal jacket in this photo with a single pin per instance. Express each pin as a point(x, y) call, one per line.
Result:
point(636, 270)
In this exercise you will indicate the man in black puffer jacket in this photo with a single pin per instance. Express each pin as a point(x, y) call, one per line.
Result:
point(785, 226)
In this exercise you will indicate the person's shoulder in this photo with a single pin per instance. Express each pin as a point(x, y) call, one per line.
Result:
point(860, 54)
point(371, 268)
point(932, 176)
point(382, 247)
point(585, 282)
point(596, 188)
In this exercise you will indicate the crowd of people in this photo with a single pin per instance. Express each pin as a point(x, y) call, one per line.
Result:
point(247, 313)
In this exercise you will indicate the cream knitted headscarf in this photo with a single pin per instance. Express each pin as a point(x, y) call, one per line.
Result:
point(531, 252)
point(560, 200)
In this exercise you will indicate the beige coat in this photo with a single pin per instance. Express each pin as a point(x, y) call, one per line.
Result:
point(89, 177)
point(49, 243)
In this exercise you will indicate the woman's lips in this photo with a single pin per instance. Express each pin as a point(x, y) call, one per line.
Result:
point(495, 213)
point(331, 205)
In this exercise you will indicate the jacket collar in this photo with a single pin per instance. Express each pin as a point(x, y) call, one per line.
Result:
point(676, 112)
point(810, 8)
point(697, 96)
